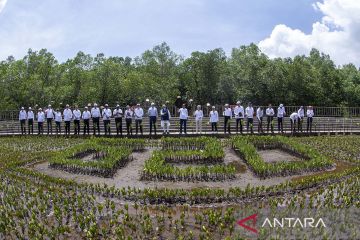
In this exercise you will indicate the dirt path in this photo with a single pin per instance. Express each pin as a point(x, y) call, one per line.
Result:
point(130, 175)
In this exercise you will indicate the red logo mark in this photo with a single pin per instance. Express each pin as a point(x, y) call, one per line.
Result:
point(253, 218)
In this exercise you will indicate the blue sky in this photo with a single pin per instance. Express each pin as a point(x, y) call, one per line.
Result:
point(129, 27)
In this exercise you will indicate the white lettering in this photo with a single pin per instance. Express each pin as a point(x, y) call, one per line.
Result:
point(268, 222)
point(276, 221)
point(298, 221)
point(309, 223)
point(289, 221)
point(320, 221)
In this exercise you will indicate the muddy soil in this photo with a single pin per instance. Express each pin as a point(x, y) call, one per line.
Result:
point(277, 155)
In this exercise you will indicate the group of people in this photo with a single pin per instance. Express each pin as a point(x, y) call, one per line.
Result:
point(94, 113)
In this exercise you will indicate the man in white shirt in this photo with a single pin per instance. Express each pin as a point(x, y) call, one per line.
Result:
point(270, 118)
point(118, 115)
point(301, 115)
point(128, 119)
point(249, 113)
point(22, 119)
point(309, 115)
point(214, 118)
point(106, 115)
point(165, 119)
point(153, 113)
point(95, 114)
point(227, 116)
point(139, 113)
point(77, 117)
point(239, 116)
point(86, 115)
point(280, 116)
point(198, 114)
point(40, 119)
point(49, 117)
point(293, 118)
point(183, 116)
point(30, 118)
point(58, 120)
point(259, 116)
point(68, 116)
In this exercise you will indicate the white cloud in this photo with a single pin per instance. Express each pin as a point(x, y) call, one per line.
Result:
point(2, 4)
point(337, 34)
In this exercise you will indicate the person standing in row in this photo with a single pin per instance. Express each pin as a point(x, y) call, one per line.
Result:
point(77, 117)
point(139, 113)
point(68, 115)
point(165, 119)
point(239, 116)
point(95, 114)
point(183, 116)
point(280, 116)
point(227, 117)
point(214, 118)
point(49, 118)
point(259, 116)
point(249, 113)
point(86, 115)
point(293, 118)
point(309, 115)
point(118, 115)
point(198, 114)
point(58, 120)
point(128, 119)
point(22, 119)
point(153, 113)
point(40, 120)
point(301, 115)
point(270, 118)
point(30, 118)
point(106, 115)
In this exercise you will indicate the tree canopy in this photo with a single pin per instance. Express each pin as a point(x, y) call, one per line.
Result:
point(160, 74)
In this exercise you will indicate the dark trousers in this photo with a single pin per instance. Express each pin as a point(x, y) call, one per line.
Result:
point(107, 127)
point(227, 124)
point(270, 123)
point(49, 125)
point(128, 126)
point(96, 125)
point(86, 126)
point(22, 125)
point(214, 126)
point(239, 121)
point(260, 125)
point(293, 125)
point(153, 124)
point(118, 123)
point(58, 127)
point(138, 124)
point(67, 127)
point(31, 126)
point(309, 124)
point(250, 123)
point(40, 128)
point(300, 122)
point(76, 127)
point(183, 125)
point(280, 124)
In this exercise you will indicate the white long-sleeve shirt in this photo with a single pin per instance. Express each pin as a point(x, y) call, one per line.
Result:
point(310, 113)
point(95, 112)
point(22, 115)
point(183, 113)
point(227, 112)
point(239, 112)
point(68, 115)
point(106, 114)
point(198, 115)
point(152, 112)
point(50, 113)
point(30, 115)
point(139, 113)
point(259, 113)
point(281, 112)
point(270, 112)
point(41, 117)
point(77, 114)
point(58, 117)
point(301, 113)
point(214, 116)
point(249, 112)
point(86, 115)
point(129, 113)
point(294, 116)
point(117, 113)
